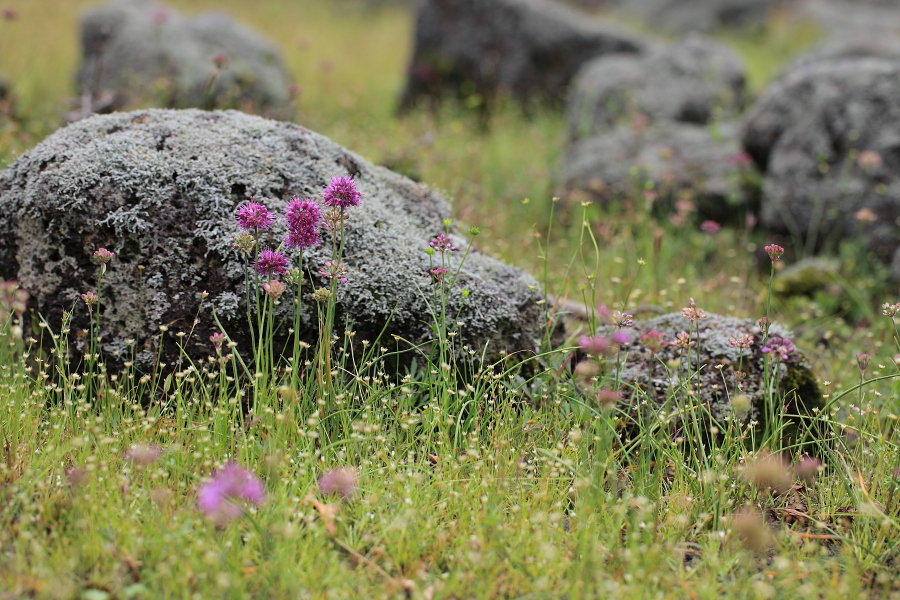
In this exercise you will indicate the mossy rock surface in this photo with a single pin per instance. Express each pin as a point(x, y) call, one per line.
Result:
point(160, 188)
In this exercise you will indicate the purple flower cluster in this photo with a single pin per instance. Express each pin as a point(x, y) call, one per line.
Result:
point(232, 483)
point(334, 269)
point(303, 218)
point(253, 215)
point(780, 348)
point(271, 263)
point(442, 244)
point(341, 193)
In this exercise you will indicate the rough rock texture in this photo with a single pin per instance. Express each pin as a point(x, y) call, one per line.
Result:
point(843, 47)
point(682, 16)
point(529, 48)
point(138, 50)
point(674, 157)
point(659, 375)
point(690, 82)
point(160, 188)
point(872, 18)
point(827, 137)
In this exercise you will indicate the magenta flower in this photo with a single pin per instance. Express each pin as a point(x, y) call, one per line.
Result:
point(890, 310)
point(807, 469)
point(341, 193)
point(621, 319)
point(271, 263)
point(653, 340)
point(442, 244)
point(741, 341)
point(710, 227)
point(692, 313)
point(780, 348)
point(217, 498)
point(217, 339)
point(254, 216)
point(862, 361)
point(683, 340)
point(143, 455)
point(302, 217)
point(90, 298)
point(620, 337)
point(342, 482)
point(594, 345)
point(438, 274)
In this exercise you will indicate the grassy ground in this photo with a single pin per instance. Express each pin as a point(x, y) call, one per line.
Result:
point(502, 490)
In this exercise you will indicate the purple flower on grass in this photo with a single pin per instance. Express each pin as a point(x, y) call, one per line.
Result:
point(594, 345)
point(710, 227)
point(302, 217)
point(621, 337)
point(271, 263)
point(438, 274)
point(862, 361)
point(218, 497)
point(780, 348)
point(653, 340)
point(341, 193)
point(254, 216)
point(442, 244)
point(143, 455)
point(342, 482)
point(621, 319)
point(774, 251)
point(217, 339)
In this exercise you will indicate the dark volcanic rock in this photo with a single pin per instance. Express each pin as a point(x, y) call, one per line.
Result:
point(160, 189)
point(682, 16)
point(711, 379)
point(529, 48)
point(827, 137)
point(674, 157)
point(691, 82)
point(136, 49)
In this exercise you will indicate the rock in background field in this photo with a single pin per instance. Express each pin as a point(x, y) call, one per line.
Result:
point(826, 135)
point(160, 188)
point(682, 16)
point(135, 50)
point(528, 48)
point(692, 81)
point(659, 374)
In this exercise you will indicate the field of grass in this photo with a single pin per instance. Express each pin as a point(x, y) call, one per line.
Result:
point(511, 482)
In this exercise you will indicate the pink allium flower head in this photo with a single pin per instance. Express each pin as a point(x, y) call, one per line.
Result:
point(890, 310)
point(807, 469)
point(608, 398)
point(869, 160)
point(274, 289)
point(217, 339)
point(438, 274)
point(774, 251)
point(159, 16)
point(217, 498)
point(334, 269)
point(303, 218)
point(653, 340)
point(862, 361)
point(621, 337)
point(143, 455)
point(254, 216)
point(220, 61)
point(620, 319)
point(741, 341)
point(683, 340)
point(90, 298)
point(271, 263)
point(103, 256)
point(442, 244)
point(692, 313)
point(341, 193)
point(342, 482)
point(594, 345)
point(780, 348)
point(710, 227)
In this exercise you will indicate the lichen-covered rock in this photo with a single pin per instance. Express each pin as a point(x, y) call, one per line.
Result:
point(849, 46)
point(528, 48)
point(707, 370)
point(683, 16)
point(140, 50)
point(160, 188)
point(675, 158)
point(826, 136)
point(690, 82)
point(809, 275)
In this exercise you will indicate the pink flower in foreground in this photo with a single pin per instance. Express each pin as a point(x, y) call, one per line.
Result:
point(103, 256)
point(621, 337)
point(143, 455)
point(774, 251)
point(778, 347)
point(271, 263)
point(303, 218)
point(341, 193)
point(219, 497)
point(710, 227)
point(253, 215)
point(342, 482)
point(594, 345)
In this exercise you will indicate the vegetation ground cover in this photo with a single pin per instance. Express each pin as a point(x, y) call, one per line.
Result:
point(495, 482)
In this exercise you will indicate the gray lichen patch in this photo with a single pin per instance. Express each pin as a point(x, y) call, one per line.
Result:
point(160, 189)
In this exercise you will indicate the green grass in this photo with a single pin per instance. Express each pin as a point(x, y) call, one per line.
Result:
point(514, 487)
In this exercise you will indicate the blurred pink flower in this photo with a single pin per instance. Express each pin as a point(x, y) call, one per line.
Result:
point(217, 498)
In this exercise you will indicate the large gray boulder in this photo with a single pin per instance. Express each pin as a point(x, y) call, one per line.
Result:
point(848, 47)
point(826, 136)
point(677, 159)
point(137, 50)
point(160, 188)
point(692, 81)
point(528, 48)
point(683, 16)
point(708, 370)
